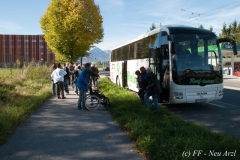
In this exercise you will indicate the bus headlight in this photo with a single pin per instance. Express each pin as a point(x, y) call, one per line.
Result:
point(178, 95)
point(175, 94)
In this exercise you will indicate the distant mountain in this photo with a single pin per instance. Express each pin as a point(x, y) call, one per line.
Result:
point(96, 55)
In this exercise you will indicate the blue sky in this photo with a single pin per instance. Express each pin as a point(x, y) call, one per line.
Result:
point(124, 20)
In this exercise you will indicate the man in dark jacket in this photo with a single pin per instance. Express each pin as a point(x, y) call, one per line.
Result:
point(93, 75)
point(143, 81)
point(152, 90)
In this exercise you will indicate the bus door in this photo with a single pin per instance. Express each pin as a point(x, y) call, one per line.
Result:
point(124, 74)
point(164, 72)
point(152, 60)
point(164, 61)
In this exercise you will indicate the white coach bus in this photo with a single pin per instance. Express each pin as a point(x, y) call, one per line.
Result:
point(193, 56)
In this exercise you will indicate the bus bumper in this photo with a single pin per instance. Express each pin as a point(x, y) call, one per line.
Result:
point(196, 95)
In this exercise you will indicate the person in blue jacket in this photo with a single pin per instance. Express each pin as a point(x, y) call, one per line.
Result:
point(83, 83)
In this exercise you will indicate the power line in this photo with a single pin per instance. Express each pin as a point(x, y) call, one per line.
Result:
point(200, 15)
point(221, 11)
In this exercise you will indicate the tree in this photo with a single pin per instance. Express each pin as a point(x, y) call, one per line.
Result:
point(201, 26)
point(224, 31)
point(234, 31)
point(152, 27)
point(238, 34)
point(71, 27)
point(211, 28)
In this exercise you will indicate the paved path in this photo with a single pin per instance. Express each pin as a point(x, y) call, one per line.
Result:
point(58, 131)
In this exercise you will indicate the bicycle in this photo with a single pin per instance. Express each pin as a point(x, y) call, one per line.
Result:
point(95, 99)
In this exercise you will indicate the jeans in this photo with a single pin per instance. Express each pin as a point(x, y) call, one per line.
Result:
point(82, 99)
point(147, 101)
point(66, 82)
point(53, 88)
point(75, 88)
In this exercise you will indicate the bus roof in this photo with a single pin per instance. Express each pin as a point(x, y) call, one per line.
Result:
point(169, 29)
point(140, 37)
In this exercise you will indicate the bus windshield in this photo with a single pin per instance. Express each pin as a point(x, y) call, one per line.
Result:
point(196, 59)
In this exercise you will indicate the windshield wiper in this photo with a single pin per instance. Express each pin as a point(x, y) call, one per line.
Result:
point(201, 70)
point(185, 73)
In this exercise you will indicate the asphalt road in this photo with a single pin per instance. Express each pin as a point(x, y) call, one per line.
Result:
point(218, 116)
point(104, 73)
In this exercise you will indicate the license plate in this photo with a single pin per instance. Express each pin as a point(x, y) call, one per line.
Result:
point(201, 100)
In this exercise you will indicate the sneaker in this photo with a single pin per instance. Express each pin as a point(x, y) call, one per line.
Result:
point(59, 97)
point(63, 97)
point(80, 108)
point(67, 93)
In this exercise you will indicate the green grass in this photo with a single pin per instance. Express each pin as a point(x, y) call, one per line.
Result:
point(161, 134)
point(20, 95)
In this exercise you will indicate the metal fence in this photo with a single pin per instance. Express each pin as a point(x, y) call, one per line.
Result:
point(17, 61)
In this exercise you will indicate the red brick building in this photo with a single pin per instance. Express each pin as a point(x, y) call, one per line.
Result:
point(20, 49)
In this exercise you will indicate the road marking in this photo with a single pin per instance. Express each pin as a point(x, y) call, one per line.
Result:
point(217, 105)
point(228, 104)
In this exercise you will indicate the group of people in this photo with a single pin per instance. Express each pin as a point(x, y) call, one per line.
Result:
point(80, 77)
point(148, 86)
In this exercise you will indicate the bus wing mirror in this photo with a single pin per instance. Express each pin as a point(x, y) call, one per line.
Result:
point(170, 38)
point(233, 43)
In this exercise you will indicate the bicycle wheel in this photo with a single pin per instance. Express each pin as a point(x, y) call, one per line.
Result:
point(92, 102)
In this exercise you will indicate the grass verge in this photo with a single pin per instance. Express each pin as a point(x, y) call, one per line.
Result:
point(161, 134)
point(20, 95)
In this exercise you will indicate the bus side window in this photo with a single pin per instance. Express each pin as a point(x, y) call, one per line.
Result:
point(131, 51)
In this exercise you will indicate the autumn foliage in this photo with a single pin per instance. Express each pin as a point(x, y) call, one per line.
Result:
point(71, 27)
